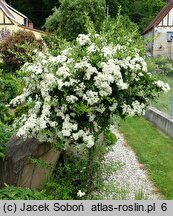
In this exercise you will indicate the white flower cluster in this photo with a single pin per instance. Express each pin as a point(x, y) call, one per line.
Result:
point(68, 127)
point(163, 86)
point(19, 99)
point(83, 39)
point(136, 108)
point(73, 92)
point(91, 97)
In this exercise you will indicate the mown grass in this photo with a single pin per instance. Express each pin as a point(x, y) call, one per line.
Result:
point(154, 149)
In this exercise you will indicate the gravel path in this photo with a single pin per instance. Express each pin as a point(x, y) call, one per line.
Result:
point(131, 177)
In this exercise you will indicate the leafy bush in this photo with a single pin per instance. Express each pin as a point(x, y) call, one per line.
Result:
point(69, 178)
point(5, 133)
point(18, 48)
point(70, 113)
point(17, 193)
point(160, 65)
point(71, 17)
point(122, 31)
point(109, 137)
point(10, 86)
point(75, 94)
point(73, 173)
point(55, 43)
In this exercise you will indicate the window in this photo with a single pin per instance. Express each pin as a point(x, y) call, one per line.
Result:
point(169, 36)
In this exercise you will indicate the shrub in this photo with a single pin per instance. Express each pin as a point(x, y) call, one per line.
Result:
point(71, 17)
point(5, 133)
point(75, 94)
point(160, 64)
point(109, 137)
point(71, 173)
point(69, 178)
point(10, 86)
point(18, 48)
point(73, 91)
point(55, 43)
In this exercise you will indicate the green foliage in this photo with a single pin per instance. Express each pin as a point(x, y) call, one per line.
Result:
point(42, 164)
point(139, 11)
point(5, 133)
point(69, 177)
point(3, 112)
point(109, 137)
point(71, 18)
point(10, 87)
point(19, 48)
point(143, 11)
point(55, 43)
point(125, 32)
point(163, 103)
point(113, 7)
point(17, 193)
point(72, 173)
point(160, 64)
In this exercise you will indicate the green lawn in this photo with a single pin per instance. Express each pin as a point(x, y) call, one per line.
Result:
point(154, 149)
point(164, 101)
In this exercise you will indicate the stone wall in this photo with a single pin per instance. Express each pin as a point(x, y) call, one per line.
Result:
point(161, 120)
point(17, 168)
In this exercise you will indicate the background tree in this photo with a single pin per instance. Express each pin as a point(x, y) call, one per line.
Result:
point(71, 17)
point(139, 11)
point(143, 11)
point(114, 5)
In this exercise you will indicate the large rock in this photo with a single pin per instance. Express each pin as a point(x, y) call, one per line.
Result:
point(17, 168)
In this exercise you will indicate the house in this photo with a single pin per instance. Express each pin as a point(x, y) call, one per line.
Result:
point(160, 32)
point(12, 20)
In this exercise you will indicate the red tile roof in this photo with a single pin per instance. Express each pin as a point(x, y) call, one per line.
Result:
point(165, 10)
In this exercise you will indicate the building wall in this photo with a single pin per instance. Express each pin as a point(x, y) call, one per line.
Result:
point(4, 18)
point(19, 18)
point(160, 45)
point(13, 26)
point(1, 17)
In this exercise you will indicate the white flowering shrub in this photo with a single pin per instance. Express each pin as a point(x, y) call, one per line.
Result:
point(73, 95)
